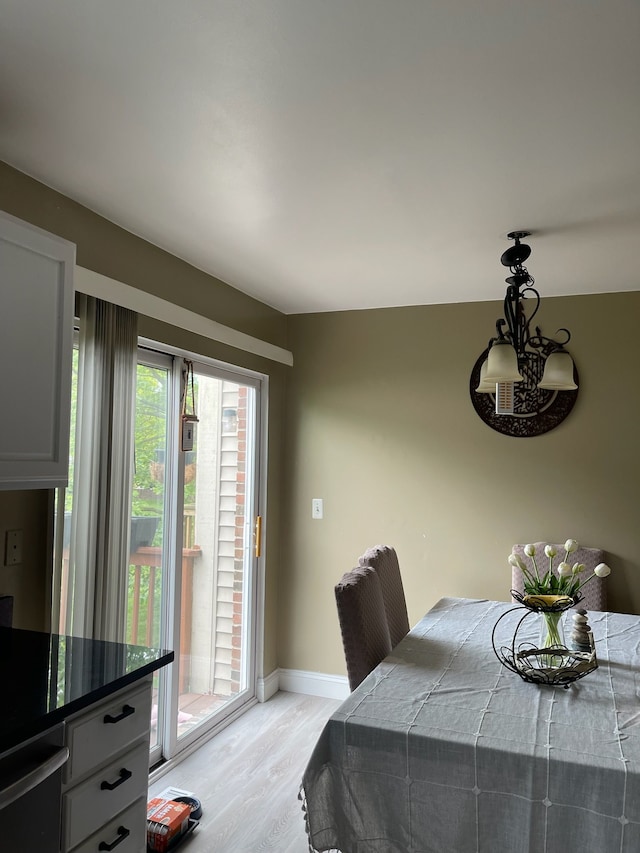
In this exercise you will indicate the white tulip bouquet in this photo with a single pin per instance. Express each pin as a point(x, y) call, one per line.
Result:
point(566, 580)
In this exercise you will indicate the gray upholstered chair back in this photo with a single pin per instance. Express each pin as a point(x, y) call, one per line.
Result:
point(363, 623)
point(384, 560)
point(594, 593)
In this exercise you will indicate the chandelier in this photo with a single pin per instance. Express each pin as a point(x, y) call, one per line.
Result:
point(523, 375)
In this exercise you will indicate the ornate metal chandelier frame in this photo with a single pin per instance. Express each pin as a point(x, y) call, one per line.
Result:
point(536, 410)
point(515, 318)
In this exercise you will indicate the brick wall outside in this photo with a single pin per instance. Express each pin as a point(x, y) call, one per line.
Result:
point(238, 579)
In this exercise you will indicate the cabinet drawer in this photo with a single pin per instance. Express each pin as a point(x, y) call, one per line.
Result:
point(133, 821)
point(93, 738)
point(105, 794)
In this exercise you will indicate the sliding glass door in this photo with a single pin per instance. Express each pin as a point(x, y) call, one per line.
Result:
point(192, 583)
point(192, 572)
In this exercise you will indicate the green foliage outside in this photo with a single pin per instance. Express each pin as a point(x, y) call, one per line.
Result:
point(150, 443)
point(148, 488)
point(147, 498)
point(150, 440)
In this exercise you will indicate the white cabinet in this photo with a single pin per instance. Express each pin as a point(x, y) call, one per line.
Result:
point(126, 833)
point(36, 341)
point(106, 779)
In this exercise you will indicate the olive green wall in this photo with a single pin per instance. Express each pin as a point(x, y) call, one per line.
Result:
point(114, 252)
point(380, 425)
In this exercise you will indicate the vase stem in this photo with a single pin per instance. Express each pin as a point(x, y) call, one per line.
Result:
point(552, 635)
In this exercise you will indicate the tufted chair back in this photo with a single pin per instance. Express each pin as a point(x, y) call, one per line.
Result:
point(384, 560)
point(363, 623)
point(594, 593)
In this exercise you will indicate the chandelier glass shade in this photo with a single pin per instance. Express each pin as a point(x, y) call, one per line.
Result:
point(558, 372)
point(502, 363)
point(485, 387)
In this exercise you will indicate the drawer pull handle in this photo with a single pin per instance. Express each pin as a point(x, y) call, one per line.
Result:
point(127, 711)
point(124, 775)
point(123, 833)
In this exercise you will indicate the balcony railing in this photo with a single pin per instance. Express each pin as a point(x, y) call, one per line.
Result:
point(145, 576)
point(144, 599)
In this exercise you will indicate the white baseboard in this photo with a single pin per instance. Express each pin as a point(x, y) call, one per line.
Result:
point(268, 686)
point(313, 683)
point(300, 681)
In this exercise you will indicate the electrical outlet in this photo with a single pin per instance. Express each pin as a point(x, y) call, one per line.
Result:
point(13, 548)
point(316, 508)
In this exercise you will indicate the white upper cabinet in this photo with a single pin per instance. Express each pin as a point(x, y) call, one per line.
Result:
point(36, 344)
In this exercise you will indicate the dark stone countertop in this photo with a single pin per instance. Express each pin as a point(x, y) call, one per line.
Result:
point(44, 678)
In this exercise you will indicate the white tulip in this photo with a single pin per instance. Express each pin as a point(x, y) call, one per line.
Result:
point(602, 570)
point(570, 546)
point(515, 560)
point(564, 570)
point(577, 568)
point(550, 551)
point(529, 550)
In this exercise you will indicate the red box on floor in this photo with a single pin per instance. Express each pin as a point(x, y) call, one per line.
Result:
point(166, 820)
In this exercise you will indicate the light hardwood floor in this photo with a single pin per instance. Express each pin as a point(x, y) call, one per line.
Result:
point(247, 778)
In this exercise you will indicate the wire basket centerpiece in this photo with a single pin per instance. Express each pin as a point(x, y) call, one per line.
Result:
point(550, 661)
point(547, 595)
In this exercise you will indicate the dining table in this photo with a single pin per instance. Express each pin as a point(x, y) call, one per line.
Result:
point(443, 749)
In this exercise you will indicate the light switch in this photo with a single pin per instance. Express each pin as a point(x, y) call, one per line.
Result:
point(316, 508)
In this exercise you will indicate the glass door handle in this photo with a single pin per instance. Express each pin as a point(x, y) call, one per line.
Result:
point(258, 536)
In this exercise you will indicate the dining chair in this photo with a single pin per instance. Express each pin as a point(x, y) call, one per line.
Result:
point(363, 623)
point(594, 593)
point(384, 560)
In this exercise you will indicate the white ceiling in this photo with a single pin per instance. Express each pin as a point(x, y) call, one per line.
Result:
point(339, 154)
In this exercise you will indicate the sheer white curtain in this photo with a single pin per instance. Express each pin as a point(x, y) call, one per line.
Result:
point(103, 458)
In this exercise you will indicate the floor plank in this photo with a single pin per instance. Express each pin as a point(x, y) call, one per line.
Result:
point(247, 778)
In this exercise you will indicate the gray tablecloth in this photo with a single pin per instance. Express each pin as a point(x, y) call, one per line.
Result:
point(443, 750)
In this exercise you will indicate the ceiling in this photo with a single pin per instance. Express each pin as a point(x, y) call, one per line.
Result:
point(341, 154)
